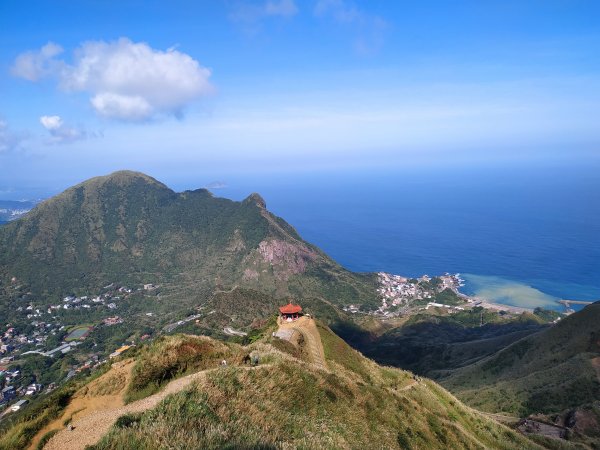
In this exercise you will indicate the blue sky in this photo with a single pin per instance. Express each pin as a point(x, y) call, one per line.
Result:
point(211, 90)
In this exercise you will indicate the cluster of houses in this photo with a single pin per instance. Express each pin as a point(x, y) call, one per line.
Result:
point(10, 389)
point(399, 293)
point(14, 388)
point(14, 343)
point(109, 321)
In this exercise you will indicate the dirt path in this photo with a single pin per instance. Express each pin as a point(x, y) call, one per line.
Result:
point(501, 418)
point(408, 386)
point(89, 428)
point(307, 327)
point(106, 392)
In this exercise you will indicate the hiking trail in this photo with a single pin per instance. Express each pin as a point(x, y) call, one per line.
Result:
point(306, 327)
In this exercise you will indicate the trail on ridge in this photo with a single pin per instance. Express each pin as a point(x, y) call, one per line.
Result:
point(308, 329)
point(89, 429)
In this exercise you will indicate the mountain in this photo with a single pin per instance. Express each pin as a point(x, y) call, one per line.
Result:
point(174, 393)
point(128, 228)
point(547, 372)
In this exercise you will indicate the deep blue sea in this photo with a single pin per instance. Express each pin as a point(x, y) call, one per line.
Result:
point(520, 237)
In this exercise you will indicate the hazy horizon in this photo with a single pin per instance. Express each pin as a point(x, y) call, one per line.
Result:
point(234, 88)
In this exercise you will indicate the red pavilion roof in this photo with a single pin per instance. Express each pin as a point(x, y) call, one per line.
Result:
point(290, 309)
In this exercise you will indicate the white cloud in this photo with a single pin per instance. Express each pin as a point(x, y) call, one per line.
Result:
point(127, 80)
point(370, 28)
point(60, 133)
point(216, 185)
point(34, 65)
point(51, 122)
point(127, 107)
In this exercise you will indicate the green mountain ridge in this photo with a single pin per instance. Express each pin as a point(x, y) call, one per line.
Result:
point(129, 228)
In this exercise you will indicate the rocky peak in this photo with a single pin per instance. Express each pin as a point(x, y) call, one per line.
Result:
point(256, 199)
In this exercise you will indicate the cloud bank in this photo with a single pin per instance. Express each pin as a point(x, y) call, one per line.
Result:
point(35, 65)
point(125, 80)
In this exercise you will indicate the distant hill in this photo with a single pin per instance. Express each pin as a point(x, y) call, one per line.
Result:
point(431, 345)
point(12, 210)
point(179, 397)
point(129, 228)
point(547, 372)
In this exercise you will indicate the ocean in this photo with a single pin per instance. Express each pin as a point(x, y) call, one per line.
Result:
point(518, 236)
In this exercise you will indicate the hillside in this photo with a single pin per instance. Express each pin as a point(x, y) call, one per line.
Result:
point(431, 345)
point(129, 229)
point(177, 396)
point(547, 372)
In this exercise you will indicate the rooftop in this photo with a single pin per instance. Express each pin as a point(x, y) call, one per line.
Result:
point(290, 309)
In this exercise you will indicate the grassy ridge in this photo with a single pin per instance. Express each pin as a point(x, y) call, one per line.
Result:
point(171, 357)
point(287, 403)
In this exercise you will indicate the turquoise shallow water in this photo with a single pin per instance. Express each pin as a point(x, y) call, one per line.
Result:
point(508, 292)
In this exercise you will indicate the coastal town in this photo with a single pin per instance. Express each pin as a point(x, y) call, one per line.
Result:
point(40, 332)
point(399, 294)
point(12, 210)
point(402, 296)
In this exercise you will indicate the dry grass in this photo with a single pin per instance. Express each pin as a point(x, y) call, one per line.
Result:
point(173, 356)
point(289, 403)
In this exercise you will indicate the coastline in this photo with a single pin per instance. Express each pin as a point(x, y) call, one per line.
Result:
point(484, 303)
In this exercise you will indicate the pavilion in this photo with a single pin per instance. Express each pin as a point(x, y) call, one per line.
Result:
point(290, 312)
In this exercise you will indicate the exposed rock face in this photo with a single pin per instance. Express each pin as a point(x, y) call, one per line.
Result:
point(286, 258)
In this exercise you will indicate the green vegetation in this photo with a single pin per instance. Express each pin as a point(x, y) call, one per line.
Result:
point(432, 344)
point(230, 264)
point(20, 427)
point(546, 372)
point(448, 297)
point(45, 438)
point(285, 403)
point(170, 357)
point(548, 315)
point(338, 351)
point(17, 430)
